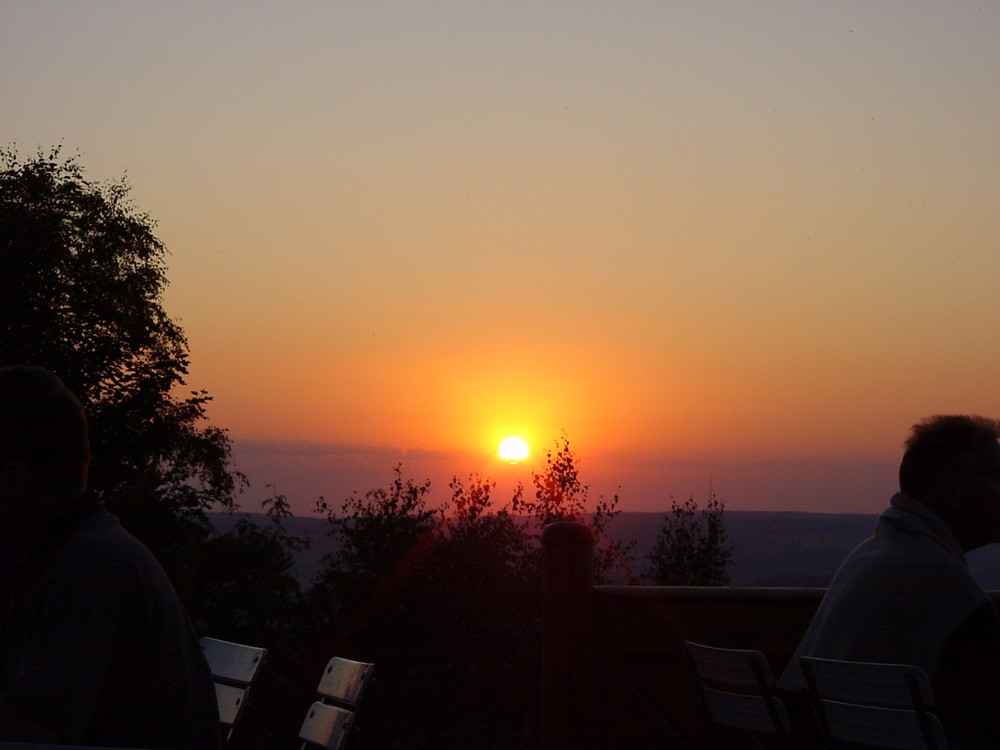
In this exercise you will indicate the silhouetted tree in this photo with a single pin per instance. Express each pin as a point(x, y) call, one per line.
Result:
point(444, 602)
point(560, 496)
point(81, 281)
point(691, 549)
point(487, 546)
point(380, 538)
point(479, 606)
point(246, 589)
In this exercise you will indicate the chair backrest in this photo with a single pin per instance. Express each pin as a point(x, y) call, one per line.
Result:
point(344, 682)
point(737, 687)
point(879, 705)
point(326, 726)
point(234, 667)
point(233, 663)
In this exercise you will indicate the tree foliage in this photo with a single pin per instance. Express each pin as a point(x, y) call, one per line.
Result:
point(691, 549)
point(443, 601)
point(380, 539)
point(561, 496)
point(247, 591)
point(81, 281)
point(489, 546)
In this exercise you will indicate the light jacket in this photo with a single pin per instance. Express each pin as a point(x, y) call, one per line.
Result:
point(897, 598)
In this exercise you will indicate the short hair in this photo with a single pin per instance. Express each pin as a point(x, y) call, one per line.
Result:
point(938, 445)
point(43, 425)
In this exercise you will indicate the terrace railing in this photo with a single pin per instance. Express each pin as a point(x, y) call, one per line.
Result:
point(614, 669)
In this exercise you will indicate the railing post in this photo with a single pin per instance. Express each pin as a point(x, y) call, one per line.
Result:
point(567, 588)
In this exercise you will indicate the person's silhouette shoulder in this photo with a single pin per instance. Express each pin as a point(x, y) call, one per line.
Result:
point(905, 595)
point(97, 649)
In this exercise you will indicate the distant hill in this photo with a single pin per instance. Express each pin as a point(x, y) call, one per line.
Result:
point(793, 549)
point(771, 548)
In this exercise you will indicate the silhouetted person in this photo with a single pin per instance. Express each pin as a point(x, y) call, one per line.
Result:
point(905, 595)
point(95, 647)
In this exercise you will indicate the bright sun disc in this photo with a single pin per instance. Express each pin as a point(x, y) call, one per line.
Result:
point(513, 449)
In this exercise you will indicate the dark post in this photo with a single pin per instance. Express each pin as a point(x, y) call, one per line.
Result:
point(567, 588)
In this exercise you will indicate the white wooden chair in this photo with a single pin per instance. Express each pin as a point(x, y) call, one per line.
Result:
point(879, 705)
point(737, 689)
point(329, 720)
point(234, 668)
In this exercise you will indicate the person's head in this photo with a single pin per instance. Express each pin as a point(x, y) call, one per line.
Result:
point(44, 444)
point(952, 465)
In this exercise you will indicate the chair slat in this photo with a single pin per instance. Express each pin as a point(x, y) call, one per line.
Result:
point(344, 681)
point(891, 728)
point(326, 726)
point(233, 662)
point(231, 700)
point(747, 712)
point(733, 666)
point(887, 685)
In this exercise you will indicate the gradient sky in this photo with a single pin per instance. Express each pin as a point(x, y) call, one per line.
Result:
point(745, 244)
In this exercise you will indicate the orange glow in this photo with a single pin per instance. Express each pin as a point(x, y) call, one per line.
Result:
point(505, 237)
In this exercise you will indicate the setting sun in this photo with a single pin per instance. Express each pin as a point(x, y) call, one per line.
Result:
point(513, 449)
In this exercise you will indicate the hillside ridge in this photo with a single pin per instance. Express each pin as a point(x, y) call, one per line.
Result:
point(770, 548)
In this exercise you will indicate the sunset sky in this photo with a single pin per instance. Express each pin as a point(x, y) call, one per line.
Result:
point(731, 245)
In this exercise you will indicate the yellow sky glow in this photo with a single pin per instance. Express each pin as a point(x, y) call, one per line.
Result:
point(698, 232)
